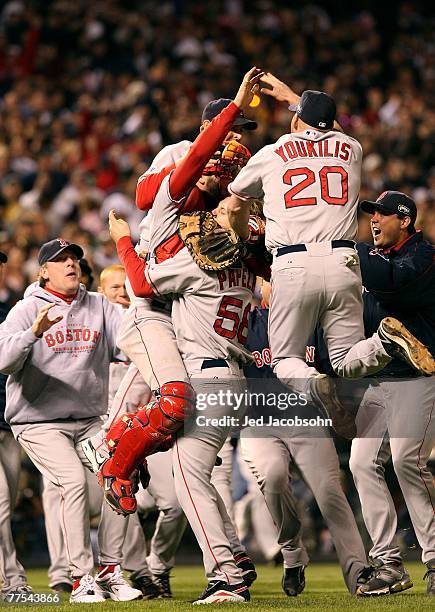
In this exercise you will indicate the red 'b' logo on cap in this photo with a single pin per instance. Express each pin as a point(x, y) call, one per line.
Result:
point(62, 242)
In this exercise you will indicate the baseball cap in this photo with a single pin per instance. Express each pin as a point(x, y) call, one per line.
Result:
point(392, 203)
point(316, 108)
point(3, 257)
point(214, 107)
point(50, 250)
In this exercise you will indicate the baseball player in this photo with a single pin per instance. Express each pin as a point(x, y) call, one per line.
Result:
point(396, 417)
point(58, 366)
point(127, 390)
point(12, 573)
point(271, 454)
point(216, 354)
point(310, 180)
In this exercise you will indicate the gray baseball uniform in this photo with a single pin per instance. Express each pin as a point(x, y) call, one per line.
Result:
point(209, 315)
point(310, 182)
point(395, 419)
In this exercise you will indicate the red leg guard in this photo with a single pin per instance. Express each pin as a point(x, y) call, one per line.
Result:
point(151, 426)
point(117, 429)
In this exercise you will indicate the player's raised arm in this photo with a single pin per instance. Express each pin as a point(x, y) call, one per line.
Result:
point(191, 167)
point(283, 93)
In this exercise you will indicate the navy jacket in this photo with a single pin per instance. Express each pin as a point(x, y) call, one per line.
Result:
point(4, 309)
point(400, 283)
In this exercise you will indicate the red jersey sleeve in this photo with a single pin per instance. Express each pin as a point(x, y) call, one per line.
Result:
point(134, 267)
point(148, 186)
point(187, 173)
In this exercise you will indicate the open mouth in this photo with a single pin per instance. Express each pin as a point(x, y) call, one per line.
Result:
point(71, 275)
point(376, 232)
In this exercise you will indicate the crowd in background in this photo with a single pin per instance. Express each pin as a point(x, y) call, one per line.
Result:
point(91, 91)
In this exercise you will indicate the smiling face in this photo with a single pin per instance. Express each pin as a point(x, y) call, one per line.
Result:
point(63, 273)
point(388, 230)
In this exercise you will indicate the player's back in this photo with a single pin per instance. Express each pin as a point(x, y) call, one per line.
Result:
point(310, 181)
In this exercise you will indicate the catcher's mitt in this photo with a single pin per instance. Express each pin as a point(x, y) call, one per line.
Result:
point(229, 161)
point(211, 247)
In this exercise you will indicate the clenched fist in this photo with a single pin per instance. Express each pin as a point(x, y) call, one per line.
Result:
point(42, 323)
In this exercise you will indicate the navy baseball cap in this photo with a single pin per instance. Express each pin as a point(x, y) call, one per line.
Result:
point(392, 203)
point(50, 250)
point(214, 107)
point(316, 108)
point(3, 257)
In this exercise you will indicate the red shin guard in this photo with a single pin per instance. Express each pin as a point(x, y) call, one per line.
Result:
point(150, 427)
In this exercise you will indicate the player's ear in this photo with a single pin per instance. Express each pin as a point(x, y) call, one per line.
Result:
point(405, 222)
point(43, 272)
point(100, 289)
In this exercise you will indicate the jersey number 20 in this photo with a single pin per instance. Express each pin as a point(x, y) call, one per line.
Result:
point(309, 178)
point(237, 317)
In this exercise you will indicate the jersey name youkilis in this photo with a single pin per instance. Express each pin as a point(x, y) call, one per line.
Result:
point(310, 183)
point(210, 310)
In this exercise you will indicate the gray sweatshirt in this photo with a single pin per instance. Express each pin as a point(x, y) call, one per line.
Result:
point(64, 374)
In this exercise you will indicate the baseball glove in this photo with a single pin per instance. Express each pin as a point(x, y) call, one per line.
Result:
point(211, 247)
point(229, 161)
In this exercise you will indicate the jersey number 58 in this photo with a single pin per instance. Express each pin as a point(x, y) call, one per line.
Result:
point(231, 310)
point(309, 178)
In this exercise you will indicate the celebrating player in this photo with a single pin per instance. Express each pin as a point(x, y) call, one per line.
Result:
point(310, 180)
point(396, 417)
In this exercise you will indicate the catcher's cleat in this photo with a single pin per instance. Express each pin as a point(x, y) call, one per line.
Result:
point(324, 395)
point(430, 577)
point(221, 592)
point(388, 579)
point(163, 583)
point(293, 580)
point(247, 568)
point(119, 493)
point(95, 458)
point(399, 342)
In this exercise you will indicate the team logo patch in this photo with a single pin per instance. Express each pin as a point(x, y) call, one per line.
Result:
point(403, 209)
point(62, 242)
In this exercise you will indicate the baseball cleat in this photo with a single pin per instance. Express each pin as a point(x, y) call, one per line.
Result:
point(92, 455)
point(163, 583)
point(114, 586)
point(247, 568)
point(118, 493)
point(324, 395)
point(221, 592)
point(293, 581)
point(430, 577)
point(399, 342)
point(86, 590)
point(149, 589)
point(388, 579)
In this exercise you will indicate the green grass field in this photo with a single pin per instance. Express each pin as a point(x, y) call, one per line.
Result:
point(325, 591)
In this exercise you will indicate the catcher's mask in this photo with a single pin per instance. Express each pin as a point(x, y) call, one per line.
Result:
point(229, 161)
point(211, 246)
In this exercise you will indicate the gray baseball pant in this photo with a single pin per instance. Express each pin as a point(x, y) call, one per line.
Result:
point(321, 285)
point(269, 458)
point(12, 572)
point(396, 419)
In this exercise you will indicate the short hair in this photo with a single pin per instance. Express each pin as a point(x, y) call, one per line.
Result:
point(113, 268)
point(41, 281)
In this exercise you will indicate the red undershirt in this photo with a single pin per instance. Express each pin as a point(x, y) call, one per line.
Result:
point(182, 179)
point(66, 298)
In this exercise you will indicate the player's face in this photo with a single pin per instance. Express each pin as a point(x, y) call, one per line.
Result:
point(386, 229)
point(220, 213)
point(113, 287)
point(63, 274)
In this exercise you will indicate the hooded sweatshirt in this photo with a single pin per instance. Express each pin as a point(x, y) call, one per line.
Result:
point(64, 374)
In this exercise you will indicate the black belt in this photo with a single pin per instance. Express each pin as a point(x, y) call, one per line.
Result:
point(296, 248)
point(214, 363)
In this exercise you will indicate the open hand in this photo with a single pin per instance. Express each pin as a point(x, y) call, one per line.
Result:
point(246, 89)
point(42, 323)
point(277, 89)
